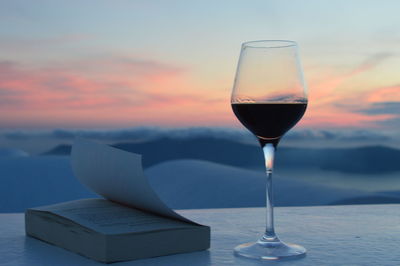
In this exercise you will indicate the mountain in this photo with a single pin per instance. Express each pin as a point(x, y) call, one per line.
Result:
point(35, 181)
point(182, 184)
point(10, 152)
point(198, 184)
point(210, 149)
point(62, 149)
point(367, 200)
point(361, 160)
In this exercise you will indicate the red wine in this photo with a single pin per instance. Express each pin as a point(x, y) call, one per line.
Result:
point(269, 121)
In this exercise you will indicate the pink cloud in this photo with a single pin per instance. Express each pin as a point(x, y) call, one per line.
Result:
point(43, 88)
point(325, 90)
point(384, 94)
point(119, 92)
point(330, 105)
point(106, 91)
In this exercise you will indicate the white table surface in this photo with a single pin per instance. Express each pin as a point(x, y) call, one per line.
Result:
point(334, 235)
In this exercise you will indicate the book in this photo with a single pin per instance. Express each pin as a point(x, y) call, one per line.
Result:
point(129, 222)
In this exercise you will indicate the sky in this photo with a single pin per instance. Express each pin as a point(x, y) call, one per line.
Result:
point(123, 64)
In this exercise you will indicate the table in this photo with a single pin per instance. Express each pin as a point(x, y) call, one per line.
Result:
point(333, 235)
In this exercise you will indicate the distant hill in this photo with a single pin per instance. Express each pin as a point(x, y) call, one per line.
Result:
point(62, 149)
point(367, 200)
point(9, 152)
point(186, 184)
point(361, 160)
point(37, 180)
point(209, 149)
point(182, 184)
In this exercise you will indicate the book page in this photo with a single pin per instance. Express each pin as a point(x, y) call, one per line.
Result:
point(111, 218)
point(116, 175)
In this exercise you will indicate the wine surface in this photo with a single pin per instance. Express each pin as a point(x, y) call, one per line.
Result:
point(269, 120)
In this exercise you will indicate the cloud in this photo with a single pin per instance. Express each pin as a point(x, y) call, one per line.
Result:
point(324, 88)
point(151, 133)
point(370, 62)
point(118, 91)
point(381, 103)
point(384, 94)
point(98, 83)
point(382, 108)
point(18, 135)
point(391, 123)
point(141, 134)
point(337, 135)
point(336, 102)
point(112, 91)
point(45, 89)
point(385, 108)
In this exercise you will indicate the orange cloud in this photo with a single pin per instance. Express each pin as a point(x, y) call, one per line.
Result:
point(127, 92)
point(333, 105)
point(342, 118)
point(327, 89)
point(102, 92)
point(384, 94)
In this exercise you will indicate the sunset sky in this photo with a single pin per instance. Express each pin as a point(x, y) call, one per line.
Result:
point(119, 64)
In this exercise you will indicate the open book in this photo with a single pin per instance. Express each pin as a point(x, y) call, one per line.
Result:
point(130, 223)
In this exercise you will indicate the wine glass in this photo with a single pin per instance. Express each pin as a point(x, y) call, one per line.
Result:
point(269, 97)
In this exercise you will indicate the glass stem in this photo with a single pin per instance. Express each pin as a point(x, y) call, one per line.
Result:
point(269, 154)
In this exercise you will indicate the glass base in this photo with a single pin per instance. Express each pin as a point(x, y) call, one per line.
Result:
point(270, 250)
